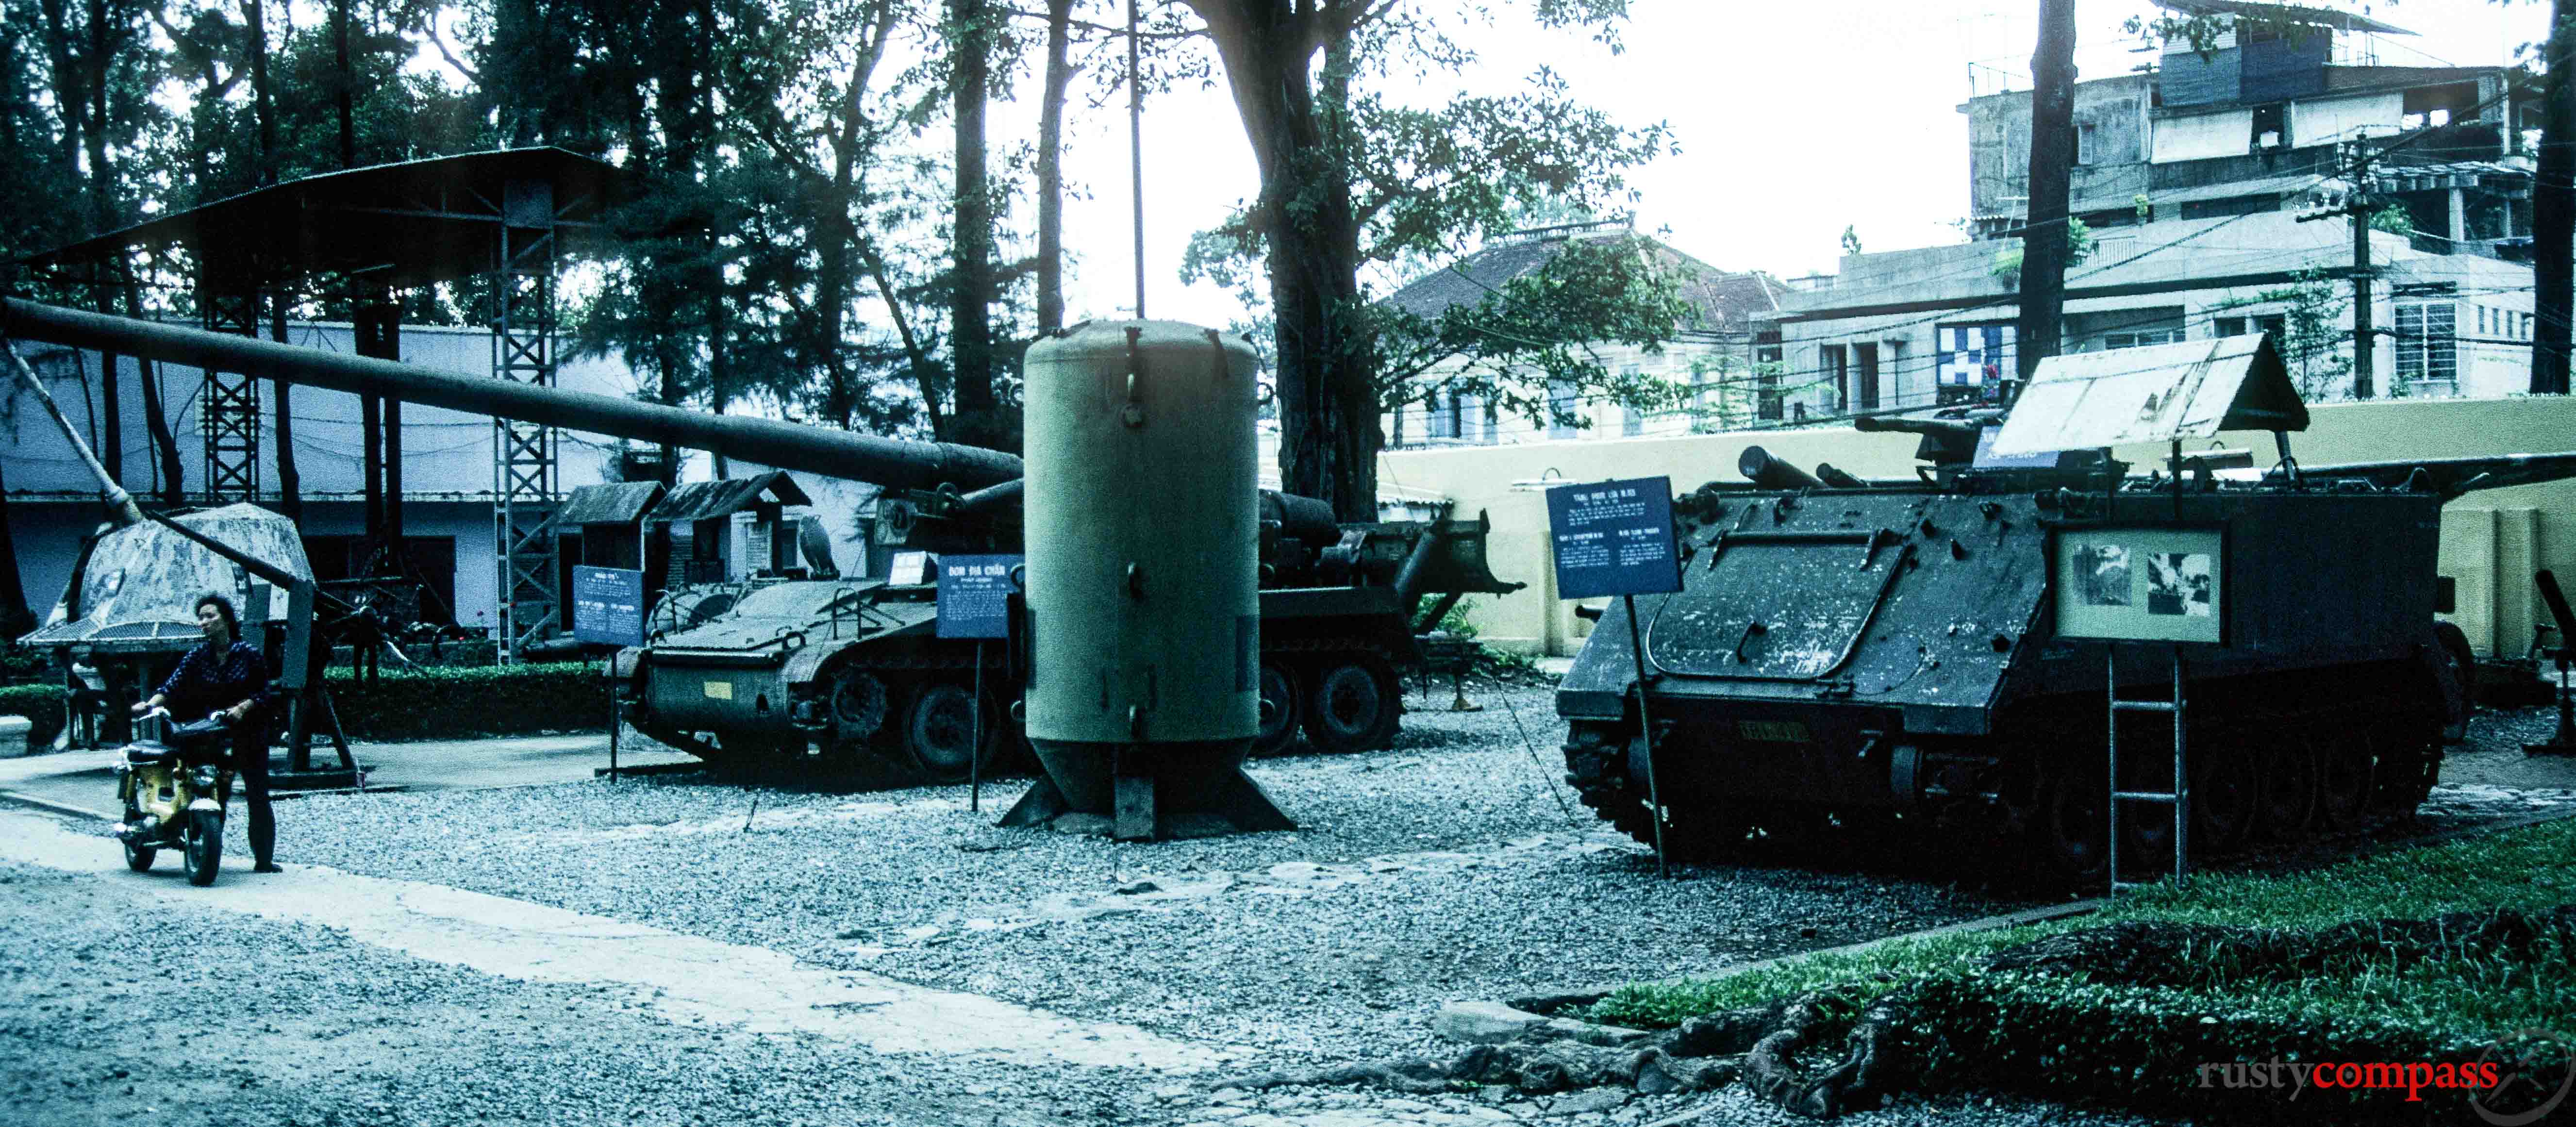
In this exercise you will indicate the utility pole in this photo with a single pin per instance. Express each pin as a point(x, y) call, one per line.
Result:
point(2553, 208)
point(1136, 149)
point(2356, 208)
point(2364, 350)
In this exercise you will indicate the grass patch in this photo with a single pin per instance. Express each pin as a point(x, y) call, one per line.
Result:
point(2531, 868)
point(2136, 1015)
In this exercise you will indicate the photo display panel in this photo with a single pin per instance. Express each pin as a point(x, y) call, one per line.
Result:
point(2142, 584)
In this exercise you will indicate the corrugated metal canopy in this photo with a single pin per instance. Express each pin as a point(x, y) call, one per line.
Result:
point(406, 224)
point(2283, 14)
point(707, 500)
point(2158, 393)
point(616, 502)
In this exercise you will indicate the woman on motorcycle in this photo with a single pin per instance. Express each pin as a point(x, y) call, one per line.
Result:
point(228, 675)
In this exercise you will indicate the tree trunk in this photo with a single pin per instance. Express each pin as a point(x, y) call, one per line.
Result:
point(2553, 210)
point(15, 619)
point(970, 327)
point(1326, 382)
point(156, 420)
point(2052, 159)
point(260, 104)
point(343, 83)
point(290, 482)
point(1059, 77)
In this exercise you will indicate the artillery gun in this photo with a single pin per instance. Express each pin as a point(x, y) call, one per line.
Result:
point(847, 667)
point(1860, 651)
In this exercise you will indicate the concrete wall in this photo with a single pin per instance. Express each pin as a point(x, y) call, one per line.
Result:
point(2491, 543)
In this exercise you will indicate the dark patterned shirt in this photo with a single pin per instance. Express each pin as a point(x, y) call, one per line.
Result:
point(209, 679)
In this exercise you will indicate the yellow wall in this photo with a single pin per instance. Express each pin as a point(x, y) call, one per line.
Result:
point(2491, 541)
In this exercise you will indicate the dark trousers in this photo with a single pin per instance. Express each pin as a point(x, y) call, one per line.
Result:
point(250, 765)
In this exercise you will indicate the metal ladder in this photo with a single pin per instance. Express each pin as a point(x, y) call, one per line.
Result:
point(2179, 797)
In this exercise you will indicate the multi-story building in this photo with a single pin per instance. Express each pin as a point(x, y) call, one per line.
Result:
point(1714, 354)
point(2201, 183)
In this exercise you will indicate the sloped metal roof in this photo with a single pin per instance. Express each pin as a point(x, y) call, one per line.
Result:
point(2158, 393)
point(706, 500)
point(615, 502)
point(405, 224)
point(2284, 14)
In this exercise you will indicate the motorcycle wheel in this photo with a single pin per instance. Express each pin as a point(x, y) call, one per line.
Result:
point(202, 846)
point(139, 857)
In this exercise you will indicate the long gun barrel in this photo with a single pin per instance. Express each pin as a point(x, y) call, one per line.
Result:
point(770, 442)
point(2449, 477)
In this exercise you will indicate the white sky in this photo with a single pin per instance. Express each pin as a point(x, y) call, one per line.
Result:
point(1793, 120)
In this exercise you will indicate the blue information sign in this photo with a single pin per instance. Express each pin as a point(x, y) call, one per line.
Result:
point(1614, 538)
point(974, 596)
point(608, 605)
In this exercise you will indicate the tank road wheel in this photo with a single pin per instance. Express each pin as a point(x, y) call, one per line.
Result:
point(2072, 830)
point(2408, 767)
point(1280, 711)
point(2289, 767)
point(939, 730)
point(858, 705)
point(1355, 705)
point(2226, 796)
point(2343, 779)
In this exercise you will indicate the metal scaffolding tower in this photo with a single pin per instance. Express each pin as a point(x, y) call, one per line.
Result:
point(229, 412)
point(524, 493)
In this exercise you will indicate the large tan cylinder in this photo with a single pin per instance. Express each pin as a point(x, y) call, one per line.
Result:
point(1142, 532)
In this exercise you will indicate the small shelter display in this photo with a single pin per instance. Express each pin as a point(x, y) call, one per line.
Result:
point(739, 528)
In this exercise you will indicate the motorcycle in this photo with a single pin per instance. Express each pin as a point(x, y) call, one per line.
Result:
point(175, 782)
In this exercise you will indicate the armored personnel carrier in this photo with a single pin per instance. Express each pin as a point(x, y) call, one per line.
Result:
point(1849, 652)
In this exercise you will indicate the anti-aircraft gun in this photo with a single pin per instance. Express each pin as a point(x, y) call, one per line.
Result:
point(854, 666)
point(1850, 651)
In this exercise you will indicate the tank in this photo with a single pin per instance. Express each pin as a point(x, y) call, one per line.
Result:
point(1849, 655)
point(1143, 686)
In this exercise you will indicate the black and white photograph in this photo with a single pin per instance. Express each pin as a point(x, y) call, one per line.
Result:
point(1248, 563)
point(2106, 578)
point(2178, 583)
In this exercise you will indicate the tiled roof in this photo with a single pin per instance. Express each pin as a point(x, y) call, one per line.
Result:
point(1721, 297)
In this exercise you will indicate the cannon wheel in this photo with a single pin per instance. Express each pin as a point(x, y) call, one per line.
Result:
point(1355, 704)
point(939, 730)
point(1280, 710)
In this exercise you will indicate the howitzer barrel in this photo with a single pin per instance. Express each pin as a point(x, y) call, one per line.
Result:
point(770, 442)
point(1767, 472)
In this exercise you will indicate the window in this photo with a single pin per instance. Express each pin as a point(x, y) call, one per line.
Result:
point(2482, 321)
point(1439, 420)
point(2271, 130)
point(1561, 406)
point(1395, 426)
point(1865, 386)
point(1766, 381)
point(1493, 420)
point(2134, 340)
point(1833, 364)
point(2427, 342)
point(1633, 420)
point(2087, 144)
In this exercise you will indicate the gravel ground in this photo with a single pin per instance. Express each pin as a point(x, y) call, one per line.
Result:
point(1442, 869)
point(1453, 866)
point(118, 1008)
